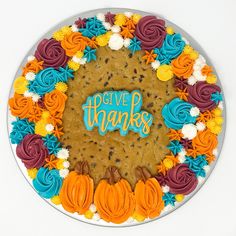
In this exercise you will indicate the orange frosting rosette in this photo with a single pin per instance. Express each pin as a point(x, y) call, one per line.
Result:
point(76, 194)
point(33, 66)
point(55, 101)
point(20, 106)
point(205, 142)
point(148, 195)
point(73, 43)
point(114, 198)
point(182, 66)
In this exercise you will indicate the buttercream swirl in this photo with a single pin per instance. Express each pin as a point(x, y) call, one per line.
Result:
point(172, 47)
point(200, 95)
point(205, 142)
point(31, 151)
point(77, 193)
point(20, 106)
point(51, 53)
point(151, 32)
point(20, 128)
point(73, 43)
point(45, 81)
point(47, 182)
point(182, 66)
point(181, 179)
point(55, 101)
point(177, 113)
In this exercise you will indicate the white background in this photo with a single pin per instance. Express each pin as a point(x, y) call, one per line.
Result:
point(213, 210)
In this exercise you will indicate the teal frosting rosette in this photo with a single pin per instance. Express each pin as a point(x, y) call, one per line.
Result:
point(177, 113)
point(47, 182)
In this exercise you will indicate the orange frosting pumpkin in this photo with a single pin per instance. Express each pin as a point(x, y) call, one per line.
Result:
point(20, 106)
point(182, 66)
point(73, 43)
point(55, 101)
point(76, 194)
point(148, 195)
point(205, 142)
point(114, 198)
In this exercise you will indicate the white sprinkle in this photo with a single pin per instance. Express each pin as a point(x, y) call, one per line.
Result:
point(74, 28)
point(101, 16)
point(192, 80)
point(82, 61)
point(155, 64)
point(66, 164)
point(30, 76)
point(194, 111)
point(76, 59)
point(28, 94)
point(165, 189)
point(49, 127)
point(128, 14)
point(116, 42)
point(93, 208)
point(35, 97)
point(221, 105)
point(106, 25)
point(96, 217)
point(30, 58)
point(63, 172)
point(115, 29)
point(189, 131)
point(63, 153)
point(127, 42)
point(200, 126)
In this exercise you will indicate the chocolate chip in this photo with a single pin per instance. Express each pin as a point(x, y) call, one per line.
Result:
point(106, 60)
point(150, 104)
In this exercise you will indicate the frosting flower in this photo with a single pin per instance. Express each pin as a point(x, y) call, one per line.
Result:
point(200, 95)
point(183, 66)
point(89, 54)
point(73, 43)
point(205, 142)
point(31, 151)
point(21, 127)
point(51, 53)
point(151, 32)
point(47, 182)
point(55, 101)
point(134, 45)
point(196, 164)
point(172, 47)
point(45, 81)
point(181, 179)
point(175, 146)
point(20, 106)
point(52, 143)
point(177, 113)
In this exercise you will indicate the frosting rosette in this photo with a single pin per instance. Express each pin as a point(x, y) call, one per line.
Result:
point(182, 66)
point(200, 95)
point(181, 179)
point(45, 81)
point(51, 53)
point(31, 151)
point(177, 113)
point(73, 43)
point(20, 106)
point(151, 32)
point(172, 47)
point(55, 101)
point(205, 142)
point(47, 182)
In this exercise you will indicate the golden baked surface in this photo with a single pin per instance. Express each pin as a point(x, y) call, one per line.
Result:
point(116, 70)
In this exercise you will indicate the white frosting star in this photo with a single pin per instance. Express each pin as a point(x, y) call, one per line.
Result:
point(189, 131)
point(116, 42)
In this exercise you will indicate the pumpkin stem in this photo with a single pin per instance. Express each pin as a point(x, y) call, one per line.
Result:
point(112, 175)
point(142, 173)
point(82, 168)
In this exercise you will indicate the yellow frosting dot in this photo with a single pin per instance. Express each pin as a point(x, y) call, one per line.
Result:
point(188, 49)
point(79, 54)
point(40, 128)
point(170, 30)
point(73, 65)
point(216, 129)
point(102, 40)
point(56, 200)
point(211, 79)
point(219, 120)
point(218, 112)
point(88, 214)
point(58, 35)
point(32, 173)
point(61, 87)
point(138, 217)
point(194, 55)
point(120, 19)
point(164, 72)
point(136, 18)
point(179, 197)
point(45, 115)
point(60, 164)
point(211, 123)
point(20, 85)
point(66, 30)
point(168, 163)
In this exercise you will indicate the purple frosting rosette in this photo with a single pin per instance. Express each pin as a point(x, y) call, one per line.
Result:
point(51, 53)
point(31, 151)
point(151, 32)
